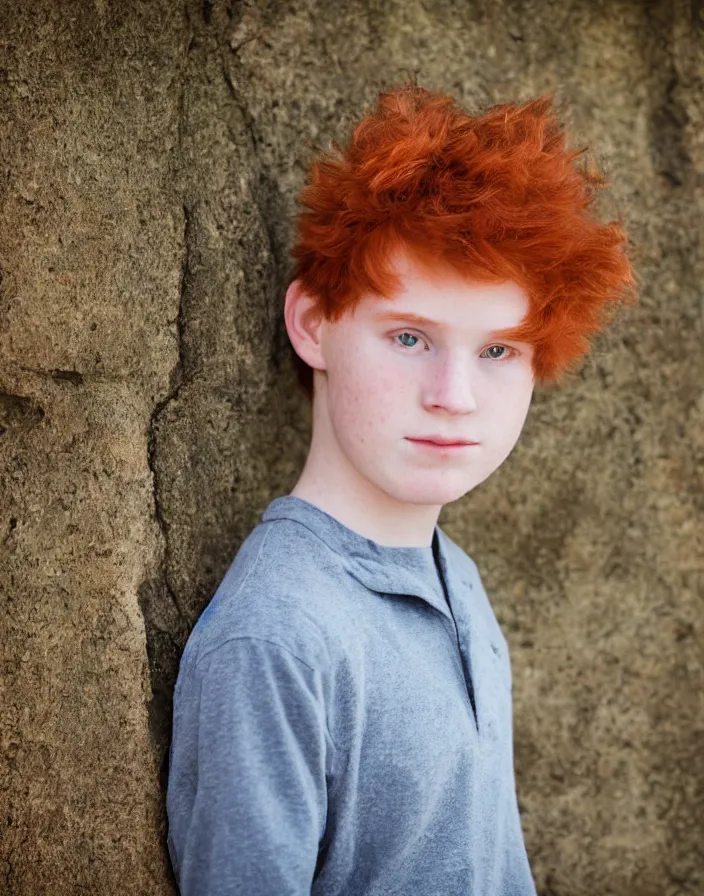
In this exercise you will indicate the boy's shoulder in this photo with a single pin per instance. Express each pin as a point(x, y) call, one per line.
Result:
point(279, 588)
point(458, 557)
point(470, 584)
point(465, 572)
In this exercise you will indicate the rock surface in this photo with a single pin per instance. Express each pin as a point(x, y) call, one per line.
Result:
point(151, 156)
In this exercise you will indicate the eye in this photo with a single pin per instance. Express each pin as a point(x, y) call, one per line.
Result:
point(410, 340)
point(494, 357)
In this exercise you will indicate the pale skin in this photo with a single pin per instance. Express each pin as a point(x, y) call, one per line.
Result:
point(382, 384)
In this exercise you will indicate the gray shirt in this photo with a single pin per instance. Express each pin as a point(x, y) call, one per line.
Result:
point(342, 723)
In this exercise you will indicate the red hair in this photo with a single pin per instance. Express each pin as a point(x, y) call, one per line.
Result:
point(495, 196)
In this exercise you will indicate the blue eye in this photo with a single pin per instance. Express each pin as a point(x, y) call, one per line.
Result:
point(504, 348)
point(410, 336)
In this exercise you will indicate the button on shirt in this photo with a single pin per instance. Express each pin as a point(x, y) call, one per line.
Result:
point(342, 723)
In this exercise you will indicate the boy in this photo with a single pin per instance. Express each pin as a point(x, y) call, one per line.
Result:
point(342, 716)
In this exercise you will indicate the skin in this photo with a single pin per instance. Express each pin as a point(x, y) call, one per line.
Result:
point(376, 388)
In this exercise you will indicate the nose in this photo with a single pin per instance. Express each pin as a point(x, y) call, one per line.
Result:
point(452, 384)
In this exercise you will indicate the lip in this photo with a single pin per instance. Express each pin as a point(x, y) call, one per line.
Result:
point(440, 443)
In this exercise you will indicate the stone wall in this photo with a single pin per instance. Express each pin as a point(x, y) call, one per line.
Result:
point(150, 158)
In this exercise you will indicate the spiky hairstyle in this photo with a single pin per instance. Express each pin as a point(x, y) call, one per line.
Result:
point(496, 196)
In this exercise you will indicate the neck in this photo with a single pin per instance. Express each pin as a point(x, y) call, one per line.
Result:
point(331, 483)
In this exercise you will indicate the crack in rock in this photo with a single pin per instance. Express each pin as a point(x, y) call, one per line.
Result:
point(158, 599)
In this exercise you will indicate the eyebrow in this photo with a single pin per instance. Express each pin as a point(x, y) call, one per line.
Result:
point(401, 317)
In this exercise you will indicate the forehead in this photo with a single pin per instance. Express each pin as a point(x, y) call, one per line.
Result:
point(443, 298)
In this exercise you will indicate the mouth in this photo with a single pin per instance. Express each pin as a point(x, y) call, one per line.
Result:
point(443, 444)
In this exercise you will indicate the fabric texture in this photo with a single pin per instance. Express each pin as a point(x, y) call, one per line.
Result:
point(343, 723)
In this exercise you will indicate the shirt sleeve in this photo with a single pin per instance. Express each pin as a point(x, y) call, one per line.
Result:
point(247, 794)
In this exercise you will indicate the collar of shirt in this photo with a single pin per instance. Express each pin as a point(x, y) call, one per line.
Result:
point(380, 568)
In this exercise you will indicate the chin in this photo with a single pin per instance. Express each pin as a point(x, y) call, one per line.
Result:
point(430, 490)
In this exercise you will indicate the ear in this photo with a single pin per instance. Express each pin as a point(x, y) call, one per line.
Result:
point(303, 324)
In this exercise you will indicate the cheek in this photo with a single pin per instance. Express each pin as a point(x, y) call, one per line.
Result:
point(505, 402)
point(516, 405)
point(365, 402)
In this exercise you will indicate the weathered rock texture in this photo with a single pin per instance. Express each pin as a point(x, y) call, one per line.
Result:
point(150, 159)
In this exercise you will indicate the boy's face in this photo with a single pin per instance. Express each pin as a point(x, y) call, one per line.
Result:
point(389, 384)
